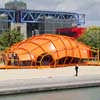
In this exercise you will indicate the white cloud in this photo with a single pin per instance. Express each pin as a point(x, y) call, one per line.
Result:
point(43, 4)
point(68, 5)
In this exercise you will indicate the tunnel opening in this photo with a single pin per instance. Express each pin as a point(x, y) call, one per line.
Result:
point(44, 59)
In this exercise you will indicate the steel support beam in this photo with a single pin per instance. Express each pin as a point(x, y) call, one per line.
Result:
point(34, 16)
point(7, 15)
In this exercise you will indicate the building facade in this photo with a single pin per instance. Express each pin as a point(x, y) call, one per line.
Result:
point(33, 22)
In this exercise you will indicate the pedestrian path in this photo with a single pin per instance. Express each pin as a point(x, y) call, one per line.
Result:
point(32, 80)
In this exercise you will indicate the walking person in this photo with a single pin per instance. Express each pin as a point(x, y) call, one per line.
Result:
point(76, 70)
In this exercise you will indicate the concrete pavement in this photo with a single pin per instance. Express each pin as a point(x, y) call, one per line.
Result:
point(32, 80)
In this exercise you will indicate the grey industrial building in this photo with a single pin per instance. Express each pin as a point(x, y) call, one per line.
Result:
point(46, 24)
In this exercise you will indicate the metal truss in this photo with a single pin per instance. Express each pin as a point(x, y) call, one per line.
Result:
point(81, 19)
point(35, 16)
point(7, 15)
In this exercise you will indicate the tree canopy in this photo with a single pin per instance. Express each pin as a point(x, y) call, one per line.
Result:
point(10, 37)
point(91, 37)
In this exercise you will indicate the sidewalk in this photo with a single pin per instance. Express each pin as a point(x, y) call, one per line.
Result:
point(32, 80)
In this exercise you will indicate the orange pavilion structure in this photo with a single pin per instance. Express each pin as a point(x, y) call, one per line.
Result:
point(47, 50)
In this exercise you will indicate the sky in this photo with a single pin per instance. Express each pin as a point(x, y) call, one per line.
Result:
point(89, 7)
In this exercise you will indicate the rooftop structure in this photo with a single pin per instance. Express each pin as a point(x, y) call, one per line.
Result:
point(17, 5)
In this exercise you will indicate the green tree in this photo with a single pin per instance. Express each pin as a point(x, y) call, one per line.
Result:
point(91, 37)
point(10, 37)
